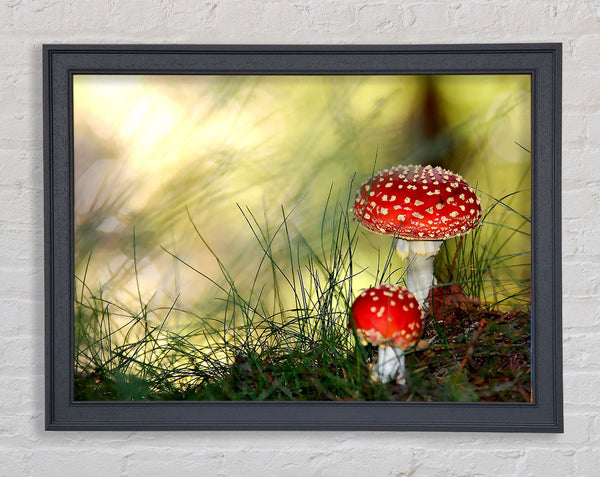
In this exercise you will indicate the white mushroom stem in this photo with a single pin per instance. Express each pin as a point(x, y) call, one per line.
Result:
point(390, 365)
point(419, 256)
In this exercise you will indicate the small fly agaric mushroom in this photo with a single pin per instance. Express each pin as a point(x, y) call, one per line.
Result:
point(421, 207)
point(387, 316)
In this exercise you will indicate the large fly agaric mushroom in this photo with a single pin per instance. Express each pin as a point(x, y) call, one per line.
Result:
point(387, 316)
point(421, 206)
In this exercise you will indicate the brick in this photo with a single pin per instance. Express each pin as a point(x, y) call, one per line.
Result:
point(547, 462)
point(484, 15)
point(22, 207)
point(74, 462)
point(574, 129)
point(577, 430)
point(578, 162)
point(21, 283)
point(300, 460)
point(378, 17)
point(16, 461)
point(573, 197)
point(552, 18)
point(332, 16)
point(148, 15)
point(581, 389)
point(24, 89)
point(574, 268)
point(580, 238)
point(585, 52)
point(18, 131)
point(15, 52)
point(587, 462)
point(582, 90)
point(178, 15)
point(14, 393)
point(595, 430)
point(579, 351)
point(590, 234)
point(580, 312)
point(39, 16)
point(85, 16)
point(371, 461)
point(430, 16)
point(593, 129)
point(161, 461)
point(21, 355)
point(16, 316)
point(20, 168)
point(461, 461)
point(20, 249)
point(21, 428)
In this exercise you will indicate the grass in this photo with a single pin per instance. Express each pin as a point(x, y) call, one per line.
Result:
point(286, 337)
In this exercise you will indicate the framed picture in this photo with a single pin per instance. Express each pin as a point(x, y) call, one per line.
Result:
point(303, 237)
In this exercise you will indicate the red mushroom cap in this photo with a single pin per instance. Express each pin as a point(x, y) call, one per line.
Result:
point(387, 315)
point(417, 203)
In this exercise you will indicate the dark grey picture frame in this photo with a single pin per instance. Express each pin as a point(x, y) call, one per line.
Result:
point(541, 61)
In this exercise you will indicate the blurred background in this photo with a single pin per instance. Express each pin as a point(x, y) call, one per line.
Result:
point(151, 152)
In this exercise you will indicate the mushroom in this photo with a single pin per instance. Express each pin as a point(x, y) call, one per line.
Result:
point(387, 316)
point(421, 206)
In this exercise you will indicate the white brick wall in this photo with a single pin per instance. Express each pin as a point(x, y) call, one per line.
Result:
point(25, 449)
